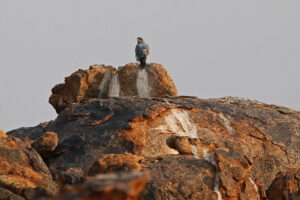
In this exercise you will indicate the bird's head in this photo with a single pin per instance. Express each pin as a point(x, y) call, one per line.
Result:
point(139, 39)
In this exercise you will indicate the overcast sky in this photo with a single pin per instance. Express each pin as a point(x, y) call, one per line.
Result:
point(211, 48)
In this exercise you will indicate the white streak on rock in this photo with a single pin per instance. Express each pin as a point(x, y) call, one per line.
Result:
point(210, 158)
point(227, 123)
point(114, 87)
point(254, 185)
point(142, 83)
point(179, 122)
point(60, 101)
point(194, 151)
point(103, 83)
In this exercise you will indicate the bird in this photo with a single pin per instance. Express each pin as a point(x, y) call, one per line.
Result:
point(142, 51)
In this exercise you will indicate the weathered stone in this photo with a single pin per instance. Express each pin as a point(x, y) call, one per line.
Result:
point(142, 127)
point(2, 134)
point(184, 144)
point(81, 84)
point(121, 186)
point(46, 144)
point(23, 172)
point(234, 173)
point(151, 81)
point(116, 162)
point(105, 81)
point(179, 177)
point(286, 186)
point(35, 132)
point(8, 195)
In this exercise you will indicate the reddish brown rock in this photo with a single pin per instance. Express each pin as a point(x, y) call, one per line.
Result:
point(116, 162)
point(22, 171)
point(232, 178)
point(81, 84)
point(105, 81)
point(286, 186)
point(151, 81)
point(46, 144)
point(178, 177)
point(184, 144)
point(120, 186)
point(267, 135)
point(2, 134)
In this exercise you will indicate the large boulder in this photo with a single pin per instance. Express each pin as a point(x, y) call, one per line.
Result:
point(101, 81)
point(265, 136)
point(23, 173)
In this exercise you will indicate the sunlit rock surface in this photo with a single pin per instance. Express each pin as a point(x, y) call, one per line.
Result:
point(23, 173)
point(101, 81)
point(266, 136)
point(131, 120)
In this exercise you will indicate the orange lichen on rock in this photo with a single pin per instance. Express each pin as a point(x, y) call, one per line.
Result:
point(81, 84)
point(2, 134)
point(22, 169)
point(116, 163)
point(286, 186)
point(46, 144)
point(16, 182)
point(96, 82)
point(5, 166)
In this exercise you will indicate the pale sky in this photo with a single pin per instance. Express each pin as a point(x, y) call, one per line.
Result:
point(211, 48)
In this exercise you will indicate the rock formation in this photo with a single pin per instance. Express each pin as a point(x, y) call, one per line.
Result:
point(131, 120)
point(101, 81)
point(23, 173)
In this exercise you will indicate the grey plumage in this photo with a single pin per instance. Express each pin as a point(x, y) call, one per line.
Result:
point(142, 51)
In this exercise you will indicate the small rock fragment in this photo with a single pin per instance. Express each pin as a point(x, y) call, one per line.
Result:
point(46, 144)
point(116, 162)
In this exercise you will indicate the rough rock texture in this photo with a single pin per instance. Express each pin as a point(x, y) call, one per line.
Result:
point(286, 186)
point(232, 178)
point(35, 132)
point(150, 81)
point(180, 177)
point(46, 144)
point(116, 162)
point(120, 186)
point(101, 81)
point(81, 84)
point(265, 136)
point(8, 195)
point(23, 174)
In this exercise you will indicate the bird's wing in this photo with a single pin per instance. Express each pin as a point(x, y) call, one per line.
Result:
point(147, 50)
point(136, 52)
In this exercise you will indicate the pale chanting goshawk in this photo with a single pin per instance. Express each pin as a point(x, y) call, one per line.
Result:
point(142, 51)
